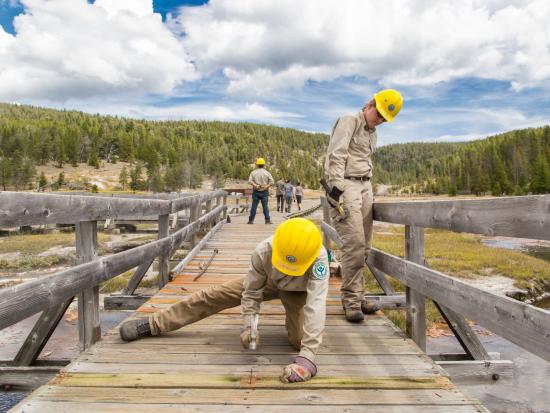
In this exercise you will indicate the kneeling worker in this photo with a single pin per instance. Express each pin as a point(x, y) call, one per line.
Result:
point(291, 265)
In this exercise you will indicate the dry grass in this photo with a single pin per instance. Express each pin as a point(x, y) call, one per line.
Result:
point(119, 282)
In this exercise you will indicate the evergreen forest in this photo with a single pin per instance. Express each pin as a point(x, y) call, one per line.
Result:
point(171, 155)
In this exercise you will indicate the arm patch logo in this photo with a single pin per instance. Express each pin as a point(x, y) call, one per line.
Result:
point(320, 271)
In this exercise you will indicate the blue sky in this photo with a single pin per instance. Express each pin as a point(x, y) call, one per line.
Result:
point(466, 69)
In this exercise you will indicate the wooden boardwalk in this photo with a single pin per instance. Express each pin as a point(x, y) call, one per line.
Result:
point(202, 368)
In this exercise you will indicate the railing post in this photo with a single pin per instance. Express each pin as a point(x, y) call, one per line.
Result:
point(195, 213)
point(416, 302)
point(226, 209)
point(89, 329)
point(208, 208)
point(163, 231)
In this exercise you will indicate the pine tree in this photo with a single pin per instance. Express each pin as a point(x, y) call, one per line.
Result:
point(42, 181)
point(540, 183)
point(123, 178)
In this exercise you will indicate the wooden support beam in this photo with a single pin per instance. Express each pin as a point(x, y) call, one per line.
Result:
point(465, 335)
point(523, 324)
point(137, 277)
point(196, 210)
point(89, 329)
point(416, 302)
point(40, 334)
point(326, 220)
point(479, 371)
point(225, 205)
point(388, 302)
point(125, 302)
point(163, 232)
point(381, 278)
point(28, 378)
point(518, 216)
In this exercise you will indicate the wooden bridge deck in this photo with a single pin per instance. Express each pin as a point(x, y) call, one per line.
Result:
point(202, 367)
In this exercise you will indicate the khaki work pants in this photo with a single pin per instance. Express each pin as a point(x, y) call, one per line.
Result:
point(204, 303)
point(356, 235)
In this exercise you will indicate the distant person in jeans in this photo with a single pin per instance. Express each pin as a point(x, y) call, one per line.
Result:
point(261, 181)
point(280, 194)
point(299, 194)
point(289, 194)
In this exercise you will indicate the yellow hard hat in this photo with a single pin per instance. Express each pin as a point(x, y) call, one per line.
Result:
point(260, 161)
point(296, 244)
point(388, 103)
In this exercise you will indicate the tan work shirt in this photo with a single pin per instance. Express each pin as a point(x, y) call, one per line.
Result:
point(350, 149)
point(260, 176)
point(314, 281)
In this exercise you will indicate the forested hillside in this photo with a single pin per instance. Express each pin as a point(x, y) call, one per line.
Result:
point(512, 163)
point(167, 156)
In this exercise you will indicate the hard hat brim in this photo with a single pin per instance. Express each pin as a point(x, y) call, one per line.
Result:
point(383, 112)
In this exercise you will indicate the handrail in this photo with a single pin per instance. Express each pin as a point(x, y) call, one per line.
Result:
point(520, 216)
point(24, 208)
point(23, 300)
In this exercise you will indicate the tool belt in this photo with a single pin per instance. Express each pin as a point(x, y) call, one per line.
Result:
point(358, 178)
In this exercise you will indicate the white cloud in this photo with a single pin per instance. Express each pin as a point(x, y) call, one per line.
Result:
point(69, 48)
point(263, 45)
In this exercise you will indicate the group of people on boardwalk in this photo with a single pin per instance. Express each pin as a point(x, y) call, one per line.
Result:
point(292, 265)
point(261, 181)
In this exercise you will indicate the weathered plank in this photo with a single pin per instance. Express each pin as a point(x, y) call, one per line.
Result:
point(137, 277)
point(479, 371)
point(520, 216)
point(163, 231)
point(27, 377)
point(522, 324)
point(125, 302)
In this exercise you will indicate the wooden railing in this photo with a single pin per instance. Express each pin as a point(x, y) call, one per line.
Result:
point(521, 217)
point(51, 295)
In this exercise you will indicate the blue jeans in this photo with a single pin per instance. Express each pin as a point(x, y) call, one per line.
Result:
point(257, 197)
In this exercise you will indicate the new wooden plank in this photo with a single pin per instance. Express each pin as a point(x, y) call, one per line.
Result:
point(287, 396)
point(71, 407)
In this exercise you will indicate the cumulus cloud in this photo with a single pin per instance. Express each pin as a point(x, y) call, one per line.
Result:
point(263, 45)
point(73, 49)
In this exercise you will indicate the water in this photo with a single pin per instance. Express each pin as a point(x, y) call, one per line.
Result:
point(8, 399)
point(517, 244)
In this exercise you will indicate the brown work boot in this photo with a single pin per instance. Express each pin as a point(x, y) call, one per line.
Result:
point(134, 329)
point(354, 315)
point(369, 308)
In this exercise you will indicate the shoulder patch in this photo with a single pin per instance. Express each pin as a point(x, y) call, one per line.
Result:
point(320, 271)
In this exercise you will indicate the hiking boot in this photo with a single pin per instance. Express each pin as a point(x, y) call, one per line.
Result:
point(250, 222)
point(268, 222)
point(354, 316)
point(369, 308)
point(134, 329)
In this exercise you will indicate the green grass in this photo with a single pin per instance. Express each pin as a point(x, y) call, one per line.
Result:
point(119, 282)
point(31, 263)
point(462, 256)
point(38, 243)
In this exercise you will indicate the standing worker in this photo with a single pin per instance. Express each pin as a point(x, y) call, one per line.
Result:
point(261, 181)
point(348, 168)
point(280, 194)
point(299, 192)
point(291, 265)
point(289, 194)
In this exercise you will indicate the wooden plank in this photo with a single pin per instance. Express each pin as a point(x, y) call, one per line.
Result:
point(128, 407)
point(40, 334)
point(416, 302)
point(163, 231)
point(518, 216)
point(23, 300)
point(24, 208)
point(388, 302)
point(288, 396)
point(243, 379)
point(27, 377)
point(523, 324)
point(89, 327)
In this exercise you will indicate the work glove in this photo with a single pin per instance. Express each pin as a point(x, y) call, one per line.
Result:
point(335, 194)
point(246, 333)
point(302, 369)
